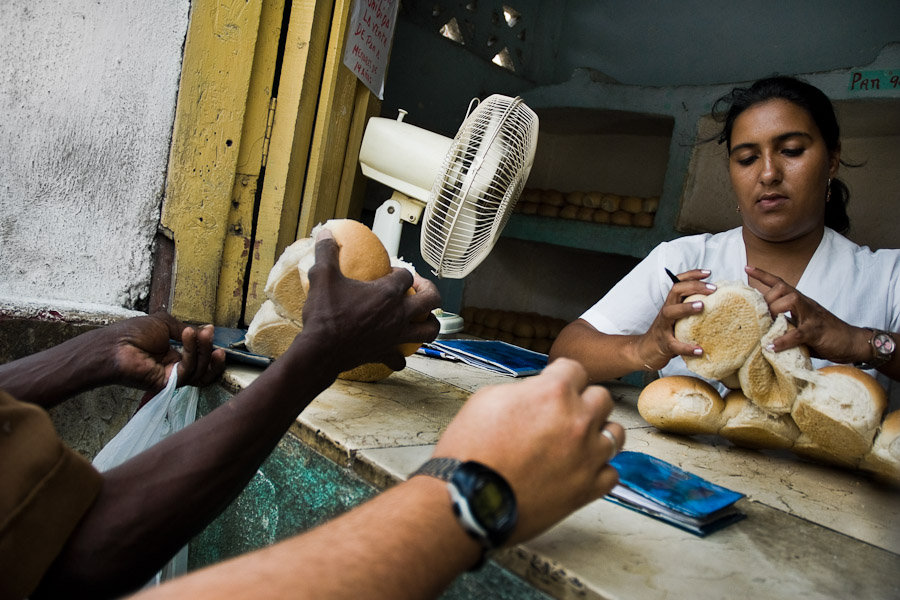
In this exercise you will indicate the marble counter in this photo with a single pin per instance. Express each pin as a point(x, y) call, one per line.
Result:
point(812, 531)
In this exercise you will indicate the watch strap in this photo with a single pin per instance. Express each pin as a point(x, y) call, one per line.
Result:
point(442, 468)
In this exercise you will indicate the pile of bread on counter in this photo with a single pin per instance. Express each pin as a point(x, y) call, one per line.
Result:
point(776, 400)
point(594, 207)
point(279, 319)
point(524, 329)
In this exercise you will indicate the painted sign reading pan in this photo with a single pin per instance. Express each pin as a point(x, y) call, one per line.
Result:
point(873, 81)
point(369, 38)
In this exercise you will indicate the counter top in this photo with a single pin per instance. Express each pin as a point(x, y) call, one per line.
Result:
point(812, 531)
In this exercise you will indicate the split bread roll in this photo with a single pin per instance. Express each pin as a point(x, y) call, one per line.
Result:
point(746, 424)
point(682, 404)
point(361, 256)
point(840, 410)
point(773, 379)
point(734, 318)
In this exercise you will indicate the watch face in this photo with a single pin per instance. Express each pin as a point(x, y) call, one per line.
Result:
point(884, 344)
point(489, 498)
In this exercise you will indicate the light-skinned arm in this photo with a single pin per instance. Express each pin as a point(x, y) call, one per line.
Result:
point(543, 435)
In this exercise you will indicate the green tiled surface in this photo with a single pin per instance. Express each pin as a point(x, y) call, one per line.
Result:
point(296, 489)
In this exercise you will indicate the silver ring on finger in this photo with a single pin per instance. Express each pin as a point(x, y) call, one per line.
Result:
point(612, 440)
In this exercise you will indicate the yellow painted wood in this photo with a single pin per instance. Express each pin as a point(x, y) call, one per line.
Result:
point(351, 194)
point(238, 234)
point(209, 119)
point(330, 138)
point(298, 90)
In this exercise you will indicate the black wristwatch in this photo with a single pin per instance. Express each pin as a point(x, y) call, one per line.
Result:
point(883, 346)
point(483, 502)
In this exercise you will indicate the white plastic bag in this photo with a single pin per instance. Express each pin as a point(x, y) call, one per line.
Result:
point(170, 410)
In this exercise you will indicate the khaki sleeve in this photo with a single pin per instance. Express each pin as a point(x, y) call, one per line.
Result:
point(46, 489)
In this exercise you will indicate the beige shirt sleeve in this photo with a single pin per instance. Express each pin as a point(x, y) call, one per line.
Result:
point(46, 489)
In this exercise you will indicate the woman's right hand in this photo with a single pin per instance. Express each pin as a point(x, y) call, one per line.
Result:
point(659, 345)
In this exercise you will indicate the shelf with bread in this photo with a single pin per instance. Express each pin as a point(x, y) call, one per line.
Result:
point(528, 330)
point(777, 400)
point(596, 181)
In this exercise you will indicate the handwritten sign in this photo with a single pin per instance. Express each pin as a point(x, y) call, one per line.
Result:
point(369, 38)
point(874, 81)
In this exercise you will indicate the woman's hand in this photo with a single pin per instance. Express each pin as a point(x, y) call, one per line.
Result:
point(826, 336)
point(658, 345)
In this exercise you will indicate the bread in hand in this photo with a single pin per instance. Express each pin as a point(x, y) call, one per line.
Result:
point(840, 410)
point(361, 256)
point(269, 333)
point(681, 404)
point(769, 378)
point(733, 320)
point(746, 424)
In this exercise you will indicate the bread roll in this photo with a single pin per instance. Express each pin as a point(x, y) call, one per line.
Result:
point(884, 457)
point(361, 256)
point(621, 217)
point(269, 333)
point(610, 202)
point(286, 286)
point(632, 204)
point(601, 216)
point(532, 195)
point(642, 220)
point(682, 404)
point(592, 199)
point(767, 377)
point(528, 208)
point(733, 320)
point(552, 198)
point(840, 410)
point(575, 198)
point(569, 211)
point(807, 448)
point(651, 205)
point(547, 210)
point(745, 424)
point(585, 213)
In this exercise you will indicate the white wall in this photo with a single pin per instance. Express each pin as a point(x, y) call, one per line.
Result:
point(87, 99)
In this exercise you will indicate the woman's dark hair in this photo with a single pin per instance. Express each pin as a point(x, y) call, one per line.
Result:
point(808, 97)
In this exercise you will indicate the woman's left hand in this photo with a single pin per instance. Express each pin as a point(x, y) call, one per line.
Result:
point(826, 336)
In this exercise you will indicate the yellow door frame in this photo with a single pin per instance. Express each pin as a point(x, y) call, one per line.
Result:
point(251, 171)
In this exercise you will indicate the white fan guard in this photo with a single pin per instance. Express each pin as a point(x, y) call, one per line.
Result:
point(480, 180)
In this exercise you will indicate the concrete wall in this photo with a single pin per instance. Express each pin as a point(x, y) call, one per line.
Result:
point(87, 95)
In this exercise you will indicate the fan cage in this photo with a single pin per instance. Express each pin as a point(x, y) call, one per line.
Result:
point(481, 179)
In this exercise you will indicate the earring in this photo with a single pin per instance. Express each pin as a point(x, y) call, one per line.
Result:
point(828, 191)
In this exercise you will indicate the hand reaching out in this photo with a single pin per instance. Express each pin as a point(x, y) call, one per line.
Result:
point(544, 435)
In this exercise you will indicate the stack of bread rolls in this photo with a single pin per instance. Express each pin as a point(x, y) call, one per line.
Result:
point(524, 329)
point(777, 400)
point(361, 256)
point(593, 207)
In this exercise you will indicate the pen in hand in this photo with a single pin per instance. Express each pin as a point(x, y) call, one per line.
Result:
point(672, 276)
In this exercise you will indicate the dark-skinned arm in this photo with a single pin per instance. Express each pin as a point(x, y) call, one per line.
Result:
point(153, 504)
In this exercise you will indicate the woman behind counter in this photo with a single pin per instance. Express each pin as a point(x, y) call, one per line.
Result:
point(783, 145)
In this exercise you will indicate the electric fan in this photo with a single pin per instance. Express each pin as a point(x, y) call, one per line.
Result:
point(466, 186)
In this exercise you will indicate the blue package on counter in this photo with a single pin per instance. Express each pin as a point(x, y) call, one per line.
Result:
point(663, 491)
point(492, 355)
